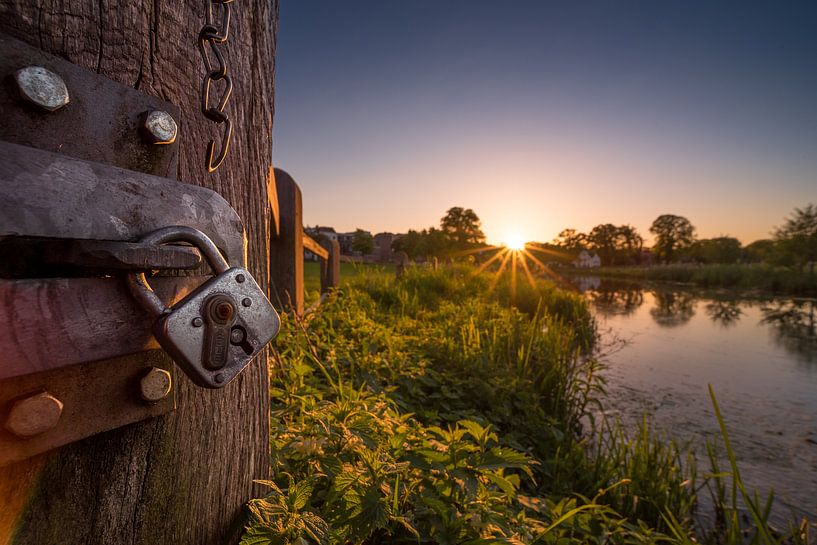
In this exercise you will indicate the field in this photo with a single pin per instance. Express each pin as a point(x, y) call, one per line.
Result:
point(428, 409)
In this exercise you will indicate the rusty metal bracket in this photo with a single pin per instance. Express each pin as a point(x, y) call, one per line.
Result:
point(98, 119)
point(41, 411)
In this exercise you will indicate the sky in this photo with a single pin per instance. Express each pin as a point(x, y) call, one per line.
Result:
point(544, 115)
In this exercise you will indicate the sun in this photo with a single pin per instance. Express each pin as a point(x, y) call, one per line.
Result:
point(515, 241)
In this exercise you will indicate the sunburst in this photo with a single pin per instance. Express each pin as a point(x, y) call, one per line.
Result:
point(516, 254)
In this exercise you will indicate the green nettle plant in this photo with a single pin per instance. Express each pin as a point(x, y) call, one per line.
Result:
point(429, 410)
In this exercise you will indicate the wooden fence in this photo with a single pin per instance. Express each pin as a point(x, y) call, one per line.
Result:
point(288, 243)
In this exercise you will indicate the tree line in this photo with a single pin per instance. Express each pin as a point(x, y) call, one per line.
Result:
point(460, 230)
point(793, 244)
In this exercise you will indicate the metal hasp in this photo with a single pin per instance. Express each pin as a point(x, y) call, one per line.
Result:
point(51, 104)
point(38, 257)
point(54, 322)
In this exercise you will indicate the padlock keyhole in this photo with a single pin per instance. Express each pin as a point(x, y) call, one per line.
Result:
point(219, 316)
point(238, 337)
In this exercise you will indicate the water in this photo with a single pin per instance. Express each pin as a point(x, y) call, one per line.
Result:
point(665, 344)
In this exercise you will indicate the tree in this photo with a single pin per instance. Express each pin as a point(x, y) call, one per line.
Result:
point(182, 478)
point(672, 233)
point(571, 241)
point(631, 243)
point(797, 239)
point(363, 242)
point(715, 250)
point(462, 226)
point(759, 251)
point(603, 240)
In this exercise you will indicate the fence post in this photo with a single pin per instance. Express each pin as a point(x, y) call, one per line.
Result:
point(402, 260)
point(330, 268)
point(287, 248)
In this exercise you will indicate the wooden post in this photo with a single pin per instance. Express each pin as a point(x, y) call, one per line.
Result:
point(184, 477)
point(287, 248)
point(402, 260)
point(330, 268)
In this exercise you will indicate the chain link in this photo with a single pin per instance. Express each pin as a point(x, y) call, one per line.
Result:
point(210, 38)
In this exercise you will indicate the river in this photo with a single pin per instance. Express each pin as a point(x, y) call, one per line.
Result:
point(666, 343)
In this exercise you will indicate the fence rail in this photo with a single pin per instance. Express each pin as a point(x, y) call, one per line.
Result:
point(288, 243)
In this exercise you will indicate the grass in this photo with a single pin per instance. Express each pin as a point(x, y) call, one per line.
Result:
point(427, 409)
point(348, 271)
point(762, 277)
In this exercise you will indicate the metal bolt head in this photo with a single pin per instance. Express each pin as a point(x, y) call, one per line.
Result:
point(236, 336)
point(42, 87)
point(240, 278)
point(246, 301)
point(155, 385)
point(159, 127)
point(34, 415)
point(198, 322)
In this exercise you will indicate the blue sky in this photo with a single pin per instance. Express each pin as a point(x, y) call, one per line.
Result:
point(545, 115)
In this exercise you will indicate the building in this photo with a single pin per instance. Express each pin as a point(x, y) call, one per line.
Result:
point(586, 260)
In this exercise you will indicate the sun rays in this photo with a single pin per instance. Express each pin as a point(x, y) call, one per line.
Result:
point(516, 257)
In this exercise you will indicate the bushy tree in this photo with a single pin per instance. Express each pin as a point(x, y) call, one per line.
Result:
point(462, 225)
point(571, 241)
point(797, 239)
point(672, 233)
point(363, 242)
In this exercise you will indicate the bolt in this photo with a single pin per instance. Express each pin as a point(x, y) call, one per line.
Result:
point(240, 278)
point(159, 127)
point(219, 378)
point(34, 415)
point(246, 301)
point(236, 336)
point(155, 385)
point(224, 311)
point(197, 321)
point(42, 87)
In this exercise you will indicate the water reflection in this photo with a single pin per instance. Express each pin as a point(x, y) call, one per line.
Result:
point(673, 308)
point(760, 355)
point(620, 302)
point(793, 323)
point(793, 327)
point(724, 313)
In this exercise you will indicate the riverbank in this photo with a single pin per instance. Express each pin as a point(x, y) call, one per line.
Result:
point(776, 280)
point(427, 409)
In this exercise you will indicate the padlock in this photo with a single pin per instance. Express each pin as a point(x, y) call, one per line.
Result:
point(214, 332)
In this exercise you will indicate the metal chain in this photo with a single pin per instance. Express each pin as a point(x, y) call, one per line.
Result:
point(210, 37)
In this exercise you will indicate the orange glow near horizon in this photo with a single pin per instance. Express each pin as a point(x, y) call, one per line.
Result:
point(515, 241)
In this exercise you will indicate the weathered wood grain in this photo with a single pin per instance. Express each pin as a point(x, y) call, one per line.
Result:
point(181, 478)
point(287, 249)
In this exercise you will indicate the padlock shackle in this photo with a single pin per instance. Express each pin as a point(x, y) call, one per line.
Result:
point(137, 282)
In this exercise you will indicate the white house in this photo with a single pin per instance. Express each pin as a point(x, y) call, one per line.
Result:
point(586, 260)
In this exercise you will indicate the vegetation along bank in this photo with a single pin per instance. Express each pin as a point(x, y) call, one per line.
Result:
point(428, 410)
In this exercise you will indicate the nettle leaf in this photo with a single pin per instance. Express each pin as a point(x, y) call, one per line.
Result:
point(503, 483)
point(316, 528)
point(260, 535)
point(479, 433)
point(499, 457)
point(299, 495)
